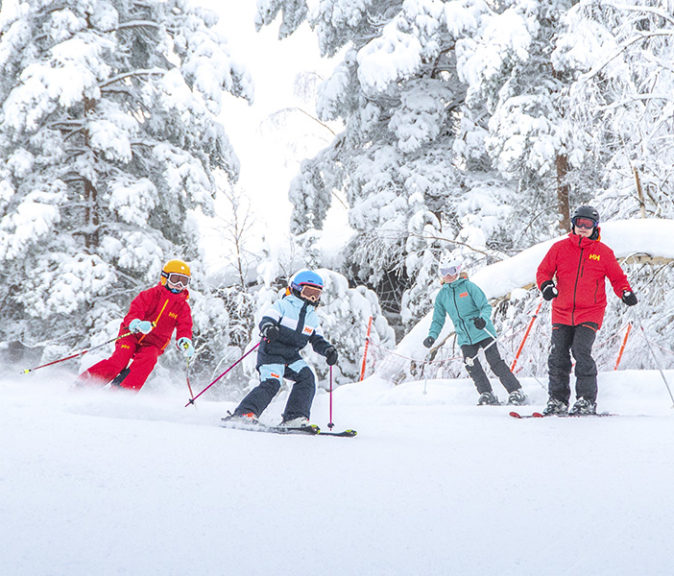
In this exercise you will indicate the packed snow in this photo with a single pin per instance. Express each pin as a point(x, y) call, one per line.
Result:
point(103, 482)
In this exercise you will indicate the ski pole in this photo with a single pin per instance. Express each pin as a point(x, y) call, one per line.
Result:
point(367, 343)
point(330, 424)
point(622, 347)
point(470, 360)
point(526, 334)
point(648, 344)
point(77, 354)
point(191, 401)
point(187, 377)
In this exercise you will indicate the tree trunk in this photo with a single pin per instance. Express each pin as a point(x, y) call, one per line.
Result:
point(90, 192)
point(562, 164)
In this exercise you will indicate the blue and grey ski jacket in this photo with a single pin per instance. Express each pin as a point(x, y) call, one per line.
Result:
point(463, 301)
point(298, 325)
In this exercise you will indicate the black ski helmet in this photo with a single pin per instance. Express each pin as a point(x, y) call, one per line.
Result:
point(586, 212)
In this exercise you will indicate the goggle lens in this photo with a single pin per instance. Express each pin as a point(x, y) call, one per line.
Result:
point(585, 223)
point(311, 293)
point(451, 271)
point(178, 279)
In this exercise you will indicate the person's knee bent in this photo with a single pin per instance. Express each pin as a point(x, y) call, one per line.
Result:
point(306, 377)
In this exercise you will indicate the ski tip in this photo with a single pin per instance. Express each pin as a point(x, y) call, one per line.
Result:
point(532, 415)
point(344, 433)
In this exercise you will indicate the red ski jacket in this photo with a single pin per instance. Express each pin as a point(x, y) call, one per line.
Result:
point(166, 310)
point(581, 266)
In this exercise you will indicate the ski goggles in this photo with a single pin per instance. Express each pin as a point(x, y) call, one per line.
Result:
point(311, 293)
point(450, 270)
point(585, 223)
point(178, 279)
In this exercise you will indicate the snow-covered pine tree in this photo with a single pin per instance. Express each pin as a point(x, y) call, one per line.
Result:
point(412, 158)
point(520, 100)
point(109, 139)
point(620, 58)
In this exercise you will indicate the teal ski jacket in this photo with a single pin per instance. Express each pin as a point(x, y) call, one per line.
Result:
point(463, 301)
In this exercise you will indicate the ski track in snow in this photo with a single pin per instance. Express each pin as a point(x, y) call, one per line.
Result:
point(104, 482)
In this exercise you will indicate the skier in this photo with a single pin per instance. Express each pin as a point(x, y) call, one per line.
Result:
point(152, 317)
point(467, 307)
point(286, 327)
point(581, 263)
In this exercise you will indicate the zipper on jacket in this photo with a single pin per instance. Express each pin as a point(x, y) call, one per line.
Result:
point(459, 315)
point(575, 287)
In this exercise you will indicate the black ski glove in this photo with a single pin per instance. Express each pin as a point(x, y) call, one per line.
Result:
point(479, 322)
point(428, 342)
point(549, 290)
point(331, 355)
point(629, 298)
point(270, 332)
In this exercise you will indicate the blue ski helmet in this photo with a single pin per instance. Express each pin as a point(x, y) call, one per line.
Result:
point(312, 281)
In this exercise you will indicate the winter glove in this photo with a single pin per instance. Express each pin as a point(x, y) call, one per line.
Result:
point(185, 345)
point(428, 342)
point(629, 298)
point(549, 290)
point(270, 332)
point(136, 325)
point(479, 322)
point(331, 355)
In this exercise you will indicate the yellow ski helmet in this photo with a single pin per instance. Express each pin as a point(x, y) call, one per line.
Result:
point(177, 267)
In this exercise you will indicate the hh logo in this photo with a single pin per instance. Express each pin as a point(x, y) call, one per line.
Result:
point(173, 315)
point(594, 257)
point(308, 330)
point(463, 294)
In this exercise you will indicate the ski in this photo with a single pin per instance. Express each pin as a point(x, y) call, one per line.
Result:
point(344, 433)
point(532, 415)
point(541, 415)
point(311, 430)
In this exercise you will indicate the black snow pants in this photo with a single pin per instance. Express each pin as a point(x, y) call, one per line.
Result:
point(299, 401)
point(497, 364)
point(578, 340)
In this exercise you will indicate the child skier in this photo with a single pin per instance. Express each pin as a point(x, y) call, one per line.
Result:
point(581, 263)
point(286, 327)
point(153, 316)
point(467, 306)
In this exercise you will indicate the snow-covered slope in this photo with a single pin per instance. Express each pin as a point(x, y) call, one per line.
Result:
point(108, 483)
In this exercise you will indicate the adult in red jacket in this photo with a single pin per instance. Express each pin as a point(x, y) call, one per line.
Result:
point(153, 316)
point(580, 263)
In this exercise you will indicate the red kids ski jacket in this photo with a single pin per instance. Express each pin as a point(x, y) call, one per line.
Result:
point(167, 311)
point(581, 266)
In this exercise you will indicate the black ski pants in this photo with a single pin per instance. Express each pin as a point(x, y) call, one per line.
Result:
point(578, 340)
point(299, 401)
point(497, 364)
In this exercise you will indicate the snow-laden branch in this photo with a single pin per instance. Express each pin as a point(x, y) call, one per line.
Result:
point(636, 98)
point(631, 8)
point(624, 46)
point(135, 24)
point(120, 77)
point(450, 241)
